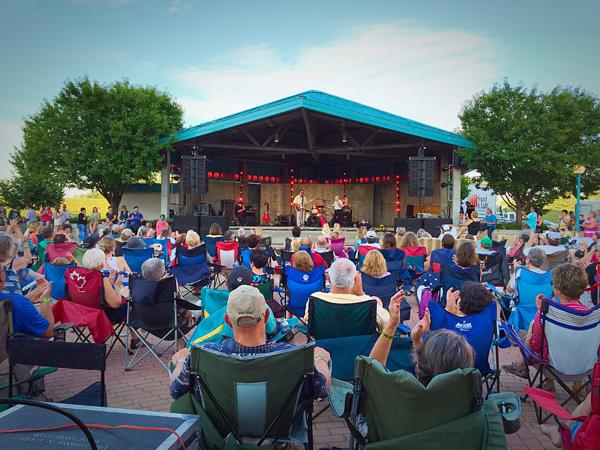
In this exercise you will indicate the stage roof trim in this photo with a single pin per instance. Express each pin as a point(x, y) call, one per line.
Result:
point(327, 104)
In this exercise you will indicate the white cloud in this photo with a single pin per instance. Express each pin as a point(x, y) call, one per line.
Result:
point(176, 6)
point(11, 135)
point(421, 73)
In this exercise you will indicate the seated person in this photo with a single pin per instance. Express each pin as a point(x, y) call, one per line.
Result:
point(258, 262)
point(47, 236)
point(388, 241)
point(517, 251)
point(410, 245)
point(443, 350)
point(302, 261)
point(584, 409)
point(346, 288)
point(247, 314)
point(228, 236)
point(17, 275)
point(374, 265)
point(371, 239)
point(306, 245)
point(253, 242)
point(494, 265)
point(534, 262)
point(550, 244)
point(108, 245)
point(464, 267)
point(569, 282)
point(322, 245)
point(192, 240)
point(441, 256)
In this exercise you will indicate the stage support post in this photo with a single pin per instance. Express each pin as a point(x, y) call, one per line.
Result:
point(456, 175)
point(164, 185)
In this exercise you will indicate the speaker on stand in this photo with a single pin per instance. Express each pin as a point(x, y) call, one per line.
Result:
point(194, 177)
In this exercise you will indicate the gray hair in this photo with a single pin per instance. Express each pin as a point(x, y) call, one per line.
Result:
point(537, 257)
point(7, 247)
point(342, 273)
point(126, 234)
point(93, 259)
point(241, 231)
point(153, 269)
point(142, 231)
point(322, 241)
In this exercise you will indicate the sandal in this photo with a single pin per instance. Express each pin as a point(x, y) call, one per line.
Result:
point(516, 369)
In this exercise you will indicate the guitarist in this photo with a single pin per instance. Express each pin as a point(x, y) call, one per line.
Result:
point(267, 215)
point(239, 211)
point(299, 207)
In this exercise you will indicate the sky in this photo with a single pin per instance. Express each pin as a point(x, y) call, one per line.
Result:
point(420, 60)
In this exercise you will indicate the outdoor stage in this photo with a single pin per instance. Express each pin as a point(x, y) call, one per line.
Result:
point(324, 145)
point(278, 234)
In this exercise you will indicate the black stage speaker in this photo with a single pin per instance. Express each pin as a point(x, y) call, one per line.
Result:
point(410, 210)
point(432, 226)
point(409, 223)
point(194, 174)
point(420, 176)
point(200, 224)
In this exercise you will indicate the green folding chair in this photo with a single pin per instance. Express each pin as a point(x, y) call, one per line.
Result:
point(333, 320)
point(78, 253)
point(401, 413)
point(251, 402)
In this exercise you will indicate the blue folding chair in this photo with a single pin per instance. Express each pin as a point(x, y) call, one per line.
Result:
point(245, 256)
point(384, 287)
point(454, 277)
point(395, 259)
point(529, 286)
point(136, 257)
point(299, 287)
point(192, 270)
point(481, 332)
point(211, 244)
point(56, 275)
point(162, 243)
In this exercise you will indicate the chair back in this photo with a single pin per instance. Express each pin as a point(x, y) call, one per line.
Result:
point(462, 420)
point(395, 262)
point(60, 250)
point(338, 247)
point(84, 286)
point(192, 265)
point(478, 329)
point(162, 243)
point(246, 253)
point(6, 310)
point(454, 277)
point(288, 244)
point(439, 257)
point(253, 394)
point(187, 257)
point(152, 304)
point(211, 244)
point(301, 285)
point(56, 275)
point(362, 253)
point(415, 258)
point(556, 259)
point(287, 257)
point(266, 289)
point(78, 253)
point(327, 256)
point(333, 320)
point(227, 253)
point(136, 257)
point(529, 285)
point(384, 287)
point(565, 330)
point(59, 354)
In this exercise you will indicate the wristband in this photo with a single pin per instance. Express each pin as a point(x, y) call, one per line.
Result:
point(387, 336)
point(45, 300)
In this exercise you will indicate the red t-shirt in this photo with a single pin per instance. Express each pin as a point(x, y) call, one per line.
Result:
point(317, 260)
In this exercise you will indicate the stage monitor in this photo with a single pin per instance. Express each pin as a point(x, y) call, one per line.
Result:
point(194, 174)
point(432, 226)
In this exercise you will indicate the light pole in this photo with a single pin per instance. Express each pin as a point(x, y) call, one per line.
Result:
point(578, 171)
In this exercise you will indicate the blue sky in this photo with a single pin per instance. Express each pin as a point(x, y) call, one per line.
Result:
point(417, 59)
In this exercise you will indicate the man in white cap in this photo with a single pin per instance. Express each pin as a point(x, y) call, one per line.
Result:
point(371, 238)
point(247, 314)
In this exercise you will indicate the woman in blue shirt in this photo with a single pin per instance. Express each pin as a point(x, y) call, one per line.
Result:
point(490, 221)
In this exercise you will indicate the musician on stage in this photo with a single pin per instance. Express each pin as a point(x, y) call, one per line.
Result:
point(337, 210)
point(299, 206)
point(346, 211)
point(239, 210)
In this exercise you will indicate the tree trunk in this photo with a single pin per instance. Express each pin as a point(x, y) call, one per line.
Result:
point(114, 200)
point(519, 207)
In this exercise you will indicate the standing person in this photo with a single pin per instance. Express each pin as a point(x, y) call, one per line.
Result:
point(589, 225)
point(299, 206)
point(337, 210)
point(161, 223)
point(239, 211)
point(46, 216)
point(94, 220)
point(539, 222)
point(110, 217)
point(30, 216)
point(469, 208)
point(490, 221)
point(82, 224)
point(123, 215)
point(135, 219)
point(531, 218)
point(57, 216)
point(65, 216)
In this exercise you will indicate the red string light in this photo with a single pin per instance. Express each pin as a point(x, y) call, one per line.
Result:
point(397, 195)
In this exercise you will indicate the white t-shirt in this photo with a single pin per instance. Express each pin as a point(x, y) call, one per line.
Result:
point(337, 205)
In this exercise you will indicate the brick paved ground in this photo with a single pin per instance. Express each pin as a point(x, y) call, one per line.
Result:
point(147, 387)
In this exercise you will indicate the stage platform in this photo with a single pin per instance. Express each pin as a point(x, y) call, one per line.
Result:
point(278, 234)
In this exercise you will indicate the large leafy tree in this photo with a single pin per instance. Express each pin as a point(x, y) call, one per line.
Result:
point(529, 142)
point(102, 137)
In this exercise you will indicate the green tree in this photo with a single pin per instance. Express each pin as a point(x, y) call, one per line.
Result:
point(528, 142)
point(465, 181)
point(101, 137)
point(26, 188)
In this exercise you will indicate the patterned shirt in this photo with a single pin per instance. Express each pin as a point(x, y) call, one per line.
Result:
point(181, 385)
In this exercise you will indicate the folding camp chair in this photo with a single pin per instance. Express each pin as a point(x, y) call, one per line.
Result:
point(328, 320)
point(299, 286)
point(246, 253)
point(211, 244)
point(384, 288)
point(164, 255)
point(454, 277)
point(338, 247)
point(136, 257)
point(227, 254)
point(79, 252)
point(495, 269)
point(402, 413)
point(362, 254)
point(328, 256)
point(56, 275)
point(84, 312)
point(555, 259)
point(61, 250)
point(152, 311)
point(563, 329)
point(250, 401)
point(481, 332)
point(415, 260)
point(529, 285)
point(29, 382)
point(395, 262)
point(593, 272)
point(68, 355)
point(192, 271)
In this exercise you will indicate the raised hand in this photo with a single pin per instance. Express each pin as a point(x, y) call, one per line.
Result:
point(453, 301)
point(394, 310)
point(421, 328)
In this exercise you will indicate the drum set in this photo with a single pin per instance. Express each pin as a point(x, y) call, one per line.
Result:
point(320, 214)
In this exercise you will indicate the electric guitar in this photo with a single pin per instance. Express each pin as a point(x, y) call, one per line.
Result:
point(267, 215)
point(299, 207)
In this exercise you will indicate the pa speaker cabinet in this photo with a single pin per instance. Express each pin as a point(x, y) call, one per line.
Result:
point(432, 226)
point(194, 174)
point(408, 223)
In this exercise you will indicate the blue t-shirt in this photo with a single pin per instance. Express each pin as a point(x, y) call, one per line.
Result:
point(532, 220)
point(135, 217)
point(26, 318)
point(491, 220)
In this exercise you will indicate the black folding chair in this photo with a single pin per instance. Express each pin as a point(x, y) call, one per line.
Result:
point(152, 310)
point(24, 349)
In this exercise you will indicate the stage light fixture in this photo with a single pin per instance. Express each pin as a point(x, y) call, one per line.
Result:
point(276, 139)
point(344, 138)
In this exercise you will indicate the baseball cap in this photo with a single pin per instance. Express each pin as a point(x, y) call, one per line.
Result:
point(371, 234)
point(246, 306)
point(239, 276)
point(553, 235)
point(486, 242)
